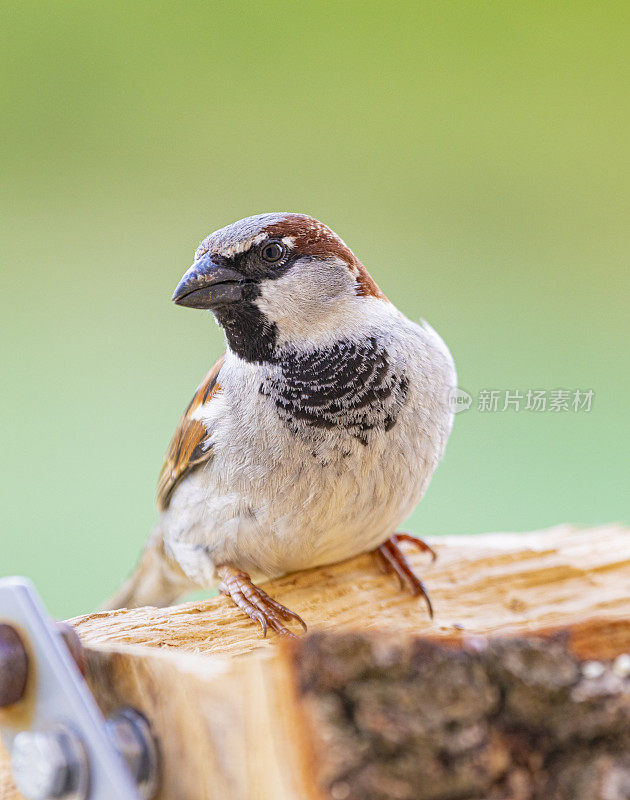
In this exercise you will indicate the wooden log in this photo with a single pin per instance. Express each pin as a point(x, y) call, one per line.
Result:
point(380, 702)
point(568, 577)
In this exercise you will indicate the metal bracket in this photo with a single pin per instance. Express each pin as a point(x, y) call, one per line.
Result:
point(61, 745)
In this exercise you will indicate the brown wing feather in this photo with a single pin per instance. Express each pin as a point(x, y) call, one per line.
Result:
point(186, 450)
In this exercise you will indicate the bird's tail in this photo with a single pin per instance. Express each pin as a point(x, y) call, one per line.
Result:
point(154, 582)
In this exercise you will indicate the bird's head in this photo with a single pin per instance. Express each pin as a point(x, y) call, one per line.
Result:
point(275, 279)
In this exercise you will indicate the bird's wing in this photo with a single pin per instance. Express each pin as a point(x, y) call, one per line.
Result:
point(187, 448)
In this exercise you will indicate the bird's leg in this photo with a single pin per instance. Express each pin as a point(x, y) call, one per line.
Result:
point(392, 559)
point(254, 602)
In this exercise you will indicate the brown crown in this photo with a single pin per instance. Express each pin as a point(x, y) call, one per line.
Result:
point(313, 238)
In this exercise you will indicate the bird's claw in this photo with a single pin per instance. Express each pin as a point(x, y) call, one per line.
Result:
point(393, 560)
point(256, 603)
point(414, 540)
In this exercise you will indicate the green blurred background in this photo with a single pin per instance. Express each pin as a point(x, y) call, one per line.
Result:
point(475, 155)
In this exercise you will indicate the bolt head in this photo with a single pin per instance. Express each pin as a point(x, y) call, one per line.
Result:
point(39, 764)
point(49, 764)
point(13, 666)
point(130, 733)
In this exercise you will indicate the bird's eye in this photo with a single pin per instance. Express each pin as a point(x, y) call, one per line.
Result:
point(272, 252)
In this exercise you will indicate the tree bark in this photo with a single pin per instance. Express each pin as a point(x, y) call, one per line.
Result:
point(500, 719)
point(518, 690)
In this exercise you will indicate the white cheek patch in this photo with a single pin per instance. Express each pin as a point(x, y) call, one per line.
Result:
point(308, 286)
point(312, 301)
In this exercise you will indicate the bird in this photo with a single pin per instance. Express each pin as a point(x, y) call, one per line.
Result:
point(311, 438)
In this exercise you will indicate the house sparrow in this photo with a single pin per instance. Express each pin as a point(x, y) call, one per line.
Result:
point(311, 438)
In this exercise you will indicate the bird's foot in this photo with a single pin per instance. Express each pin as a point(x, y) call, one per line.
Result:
point(392, 559)
point(255, 603)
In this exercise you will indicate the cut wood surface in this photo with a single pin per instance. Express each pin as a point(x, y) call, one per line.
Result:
point(567, 577)
point(379, 701)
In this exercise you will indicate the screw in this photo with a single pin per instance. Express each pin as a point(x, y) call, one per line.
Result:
point(130, 733)
point(14, 660)
point(13, 666)
point(50, 764)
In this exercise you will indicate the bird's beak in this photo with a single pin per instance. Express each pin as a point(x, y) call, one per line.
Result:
point(207, 285)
